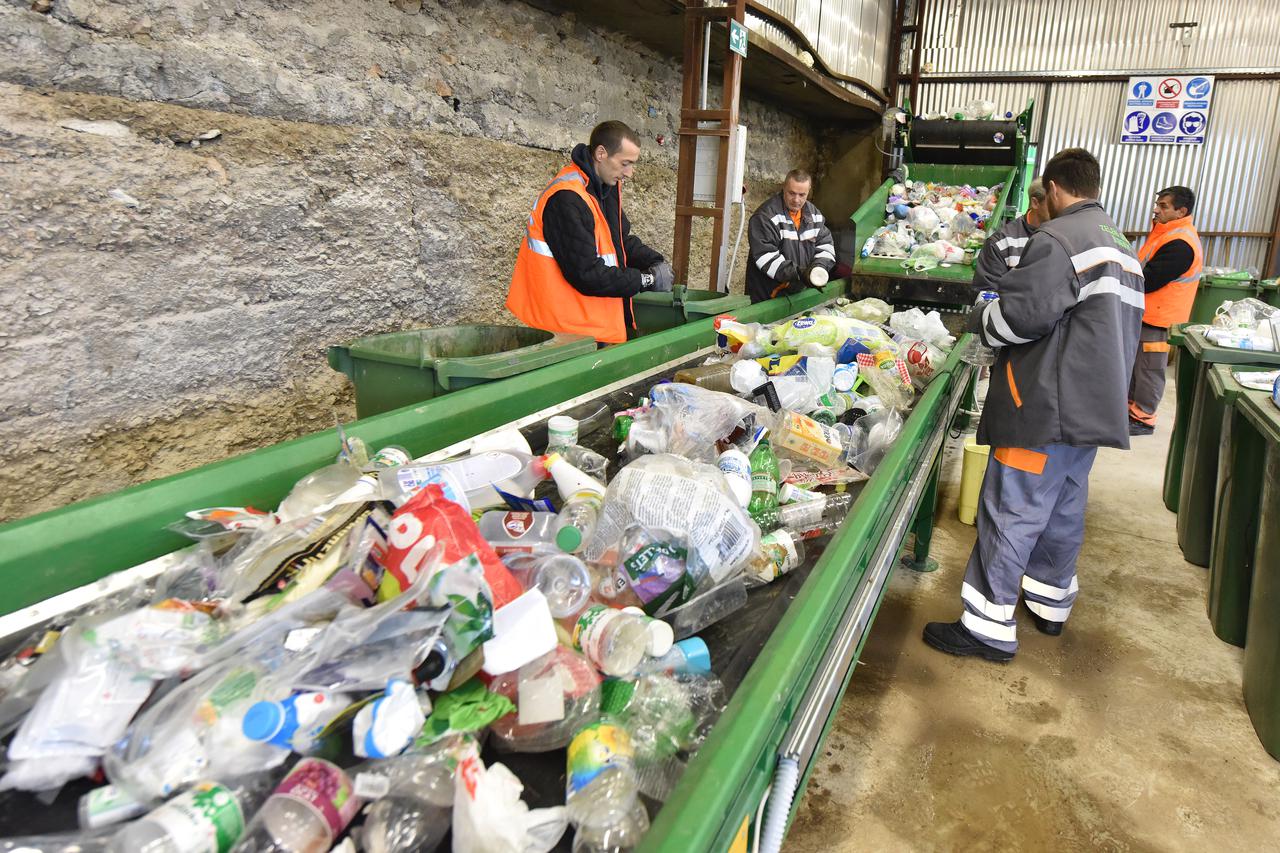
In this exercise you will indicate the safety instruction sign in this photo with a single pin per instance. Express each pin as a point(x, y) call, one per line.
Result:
point(1167, 109)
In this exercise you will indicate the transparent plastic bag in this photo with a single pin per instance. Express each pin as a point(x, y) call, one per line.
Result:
point(686, 420)
point(688, 498)
point(870, 310)
point(555, 696)
point(870, 438)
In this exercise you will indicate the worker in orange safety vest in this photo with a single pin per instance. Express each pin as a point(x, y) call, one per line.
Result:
point(1172, 260)
point(579, 265)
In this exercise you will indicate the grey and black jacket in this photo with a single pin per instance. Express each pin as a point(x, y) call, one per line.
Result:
point(780, 253)
point(1001, 252)
point(1066, 326)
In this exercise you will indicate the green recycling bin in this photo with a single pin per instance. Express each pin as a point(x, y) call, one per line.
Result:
point(1235, 513)
point(657, 312)
point(1216, 289)
point(400, 368)
point(1269, 291)
point(1262, 651)
point(1194, 359)
point(1184, 367)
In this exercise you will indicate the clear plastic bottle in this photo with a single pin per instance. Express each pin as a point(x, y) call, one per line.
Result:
point(615, 642)
point(107, 805)
point(481, 477)
point(512, 532)
point(583, 499)
point(585, 460)
point(318, 490)
point(778, 554)
point(305, 813)
point(803, 515)
point(414, 813)
point(601, 793)
point(206, 816)
point(975, 351)
point(566, 583)
point(690, 655)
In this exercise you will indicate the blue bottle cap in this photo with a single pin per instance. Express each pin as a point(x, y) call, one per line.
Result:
point(696, 654)
point(262, 721)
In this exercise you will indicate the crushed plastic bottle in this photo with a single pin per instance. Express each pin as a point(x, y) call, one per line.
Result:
point(305, 813)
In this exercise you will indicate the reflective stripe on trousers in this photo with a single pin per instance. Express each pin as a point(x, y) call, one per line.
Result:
point(1030, 529)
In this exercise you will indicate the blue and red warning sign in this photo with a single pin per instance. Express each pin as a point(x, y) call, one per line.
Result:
point(1170, 109)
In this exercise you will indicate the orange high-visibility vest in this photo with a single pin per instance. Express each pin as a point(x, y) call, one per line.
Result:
point(541, 297)
point(1172, 303)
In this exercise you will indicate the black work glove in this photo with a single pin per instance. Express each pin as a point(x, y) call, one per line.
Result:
point(659, 278)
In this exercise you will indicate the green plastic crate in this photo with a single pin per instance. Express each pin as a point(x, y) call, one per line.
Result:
point(396, 369)
point(870, 216)
point(657, 312)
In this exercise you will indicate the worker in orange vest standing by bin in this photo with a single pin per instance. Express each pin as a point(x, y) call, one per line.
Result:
point(579, 265)
point(1171, 263)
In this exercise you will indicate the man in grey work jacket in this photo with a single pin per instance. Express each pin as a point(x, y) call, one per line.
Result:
point(1066, 328)
point(791, 246)
point(1002, 250)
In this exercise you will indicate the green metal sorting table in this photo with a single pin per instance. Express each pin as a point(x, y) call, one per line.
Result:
point(1235, 512)
point(1262, 647)
point(785, 670)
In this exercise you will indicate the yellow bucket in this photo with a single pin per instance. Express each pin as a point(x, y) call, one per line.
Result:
point(973, 467)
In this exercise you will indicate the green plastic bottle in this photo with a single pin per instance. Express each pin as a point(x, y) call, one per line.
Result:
point(764, 478)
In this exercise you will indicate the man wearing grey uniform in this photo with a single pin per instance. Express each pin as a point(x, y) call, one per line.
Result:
point(1065, 327)
point(791, 246)
point(1002, 250)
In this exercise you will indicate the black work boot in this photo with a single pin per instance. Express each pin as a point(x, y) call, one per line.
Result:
point(1139, 428)
point(955, 639)
point(1043, 625)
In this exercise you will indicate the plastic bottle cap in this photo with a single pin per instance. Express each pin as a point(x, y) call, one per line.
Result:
point(661, 638)
point(568, 539)
point(262, 721)
point(696, 654)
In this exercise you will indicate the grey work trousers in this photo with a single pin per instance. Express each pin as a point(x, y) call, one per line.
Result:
point(1146, 387)
point(1030, 529)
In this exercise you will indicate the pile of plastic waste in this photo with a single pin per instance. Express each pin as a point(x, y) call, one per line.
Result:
point(1245, 324)
point(979, 109)
point(326, 675)
point(931, 225)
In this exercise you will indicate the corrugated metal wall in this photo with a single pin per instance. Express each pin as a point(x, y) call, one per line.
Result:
point(851, 36)
point(1074, 36)
point(1236, 173)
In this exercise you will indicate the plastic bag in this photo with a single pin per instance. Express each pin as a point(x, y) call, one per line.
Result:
point(555, 696)
point(490, 817)
point(688, 498)
point(924, 222)
point(686, 420)
point(870, 310)
point(870, 438)
point(425, 519)
point(915, 324)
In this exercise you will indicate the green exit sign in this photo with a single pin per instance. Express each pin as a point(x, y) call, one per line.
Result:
point(738, 38)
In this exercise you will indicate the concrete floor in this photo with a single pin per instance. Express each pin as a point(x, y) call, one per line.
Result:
point(1128, 732)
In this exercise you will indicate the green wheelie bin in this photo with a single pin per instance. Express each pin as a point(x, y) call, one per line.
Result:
point(656, 312)
point(1269, 291)
point(1194, 360)
point(1235, 512)
point(1216, 289)
point(1262, 649)
point(1184, 377)
point(399, 368)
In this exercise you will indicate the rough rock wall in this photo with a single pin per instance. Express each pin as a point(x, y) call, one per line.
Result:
point(169, 305)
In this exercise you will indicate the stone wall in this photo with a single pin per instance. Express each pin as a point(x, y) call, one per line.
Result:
point(168, 305)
